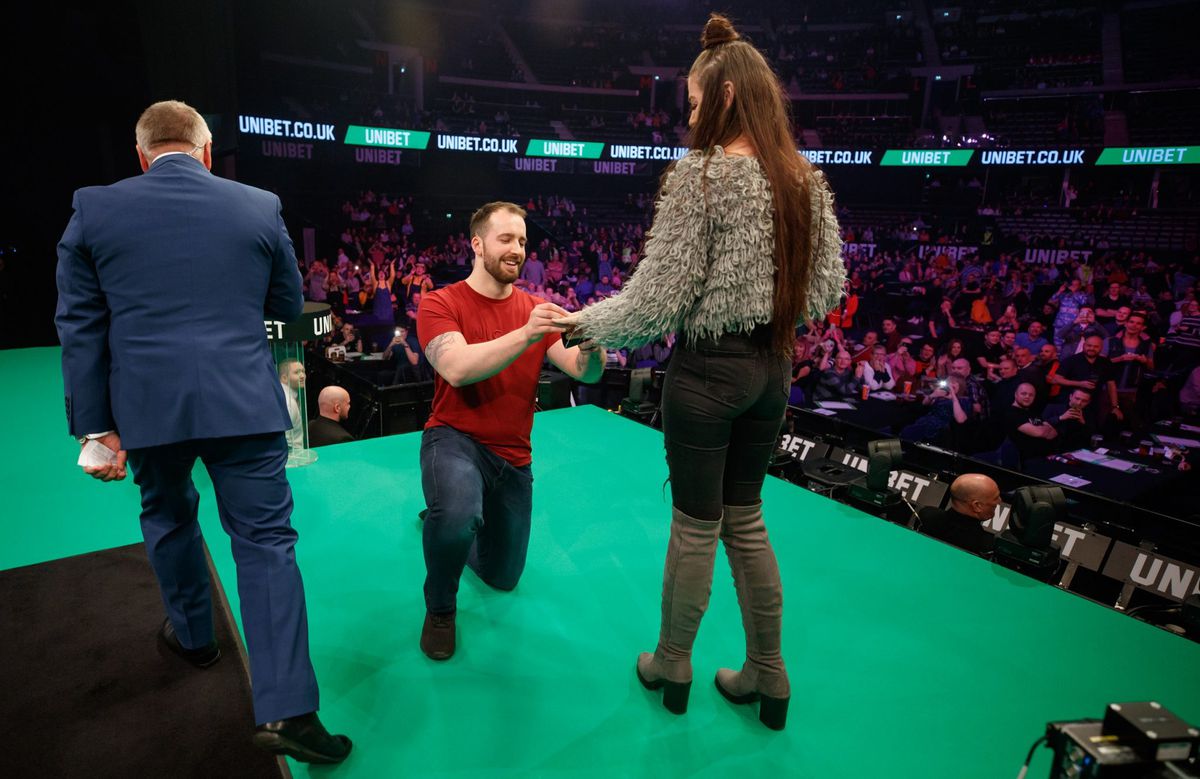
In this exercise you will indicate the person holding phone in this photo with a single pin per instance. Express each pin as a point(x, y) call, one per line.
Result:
point(744, 246)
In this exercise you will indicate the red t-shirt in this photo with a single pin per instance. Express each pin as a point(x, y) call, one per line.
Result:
point(496, 412)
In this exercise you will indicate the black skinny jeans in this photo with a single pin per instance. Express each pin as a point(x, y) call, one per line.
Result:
point(723, 405)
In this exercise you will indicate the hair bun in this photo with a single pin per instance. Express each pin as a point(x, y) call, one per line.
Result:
point(717, 31)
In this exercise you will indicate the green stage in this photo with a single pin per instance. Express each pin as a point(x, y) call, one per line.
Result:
point(908, 658)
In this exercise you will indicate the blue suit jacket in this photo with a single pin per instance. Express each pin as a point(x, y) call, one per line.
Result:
point(164, 280)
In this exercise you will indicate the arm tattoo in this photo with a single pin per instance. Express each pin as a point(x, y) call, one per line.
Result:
point(434, 349)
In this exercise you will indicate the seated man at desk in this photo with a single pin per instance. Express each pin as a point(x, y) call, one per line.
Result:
point(326, 428)
point(973, 501)
point(840, 381)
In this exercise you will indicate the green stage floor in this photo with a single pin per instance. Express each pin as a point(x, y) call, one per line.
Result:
point(908, 658)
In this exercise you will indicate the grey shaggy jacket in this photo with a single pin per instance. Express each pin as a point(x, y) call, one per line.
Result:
point(710, 270)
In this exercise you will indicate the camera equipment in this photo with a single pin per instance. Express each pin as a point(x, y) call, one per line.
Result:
point(1137, 740)
point(1027, 543)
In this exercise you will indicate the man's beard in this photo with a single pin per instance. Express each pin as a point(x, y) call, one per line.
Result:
point(499, 270)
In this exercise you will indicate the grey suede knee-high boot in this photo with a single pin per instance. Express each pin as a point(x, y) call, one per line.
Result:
point(756, 576)
point(687, 583)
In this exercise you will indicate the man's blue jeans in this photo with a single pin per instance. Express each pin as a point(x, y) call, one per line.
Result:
point(479, 509)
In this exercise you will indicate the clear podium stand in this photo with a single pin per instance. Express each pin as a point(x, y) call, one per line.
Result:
point(287, 347)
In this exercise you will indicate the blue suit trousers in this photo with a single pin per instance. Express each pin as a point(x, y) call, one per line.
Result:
point(254, 501)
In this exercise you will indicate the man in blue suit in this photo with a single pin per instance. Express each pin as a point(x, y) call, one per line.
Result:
point(164, 280)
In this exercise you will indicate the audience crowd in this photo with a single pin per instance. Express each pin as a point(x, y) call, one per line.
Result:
point(980, 352)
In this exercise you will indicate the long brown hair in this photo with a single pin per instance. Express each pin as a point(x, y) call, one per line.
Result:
point(761, 110)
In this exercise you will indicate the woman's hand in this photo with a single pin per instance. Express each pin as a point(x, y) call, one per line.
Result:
point(568, 322)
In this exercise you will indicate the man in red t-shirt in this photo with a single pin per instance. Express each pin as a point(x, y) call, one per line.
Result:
point(486, 342)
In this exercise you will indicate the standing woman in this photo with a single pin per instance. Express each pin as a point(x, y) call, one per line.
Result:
point(744, 246)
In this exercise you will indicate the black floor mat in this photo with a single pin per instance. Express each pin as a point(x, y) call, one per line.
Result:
point(85, 689)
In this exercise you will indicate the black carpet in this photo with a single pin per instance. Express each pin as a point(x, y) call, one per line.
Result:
point(85, 691)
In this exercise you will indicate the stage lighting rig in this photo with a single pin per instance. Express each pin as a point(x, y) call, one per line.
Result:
point(1027, 544)
point(873, 492)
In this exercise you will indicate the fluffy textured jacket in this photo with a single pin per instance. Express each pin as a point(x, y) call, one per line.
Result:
point(709, 268)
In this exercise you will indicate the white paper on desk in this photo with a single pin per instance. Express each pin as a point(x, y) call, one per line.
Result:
point(1088, 456)
point(96, 455)
point(883, 395)
point(1189, 428)
point(1119, 465)
point(1186, 443)
point(1069, 480)
point(835, 404)
point(823, 412)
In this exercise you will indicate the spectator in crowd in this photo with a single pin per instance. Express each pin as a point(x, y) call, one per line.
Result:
point(942, 322)
point(876, 374)
point(802, 371)
point(1189, 394)
point(863, 352)
point(334, 406)
point(903, 365)
point(1048, 362)
point(1005, 386)
point(1108, 303)
point(417, 281)
point(945, 413)
point(843, 315)
point(1115, 328)
point(1025, 427)
point(841, 380)
point(891, 334)
point(534, 272)
point(1069, 298)
point(349, 338)
point(1070, 337)
point(989, 359)
point(926, 363)
point(1089, 370)
point(405, 352)
point(1190, 309)
point(1030, 372)
point(1073, 427)
point(1032, 338)
point(314, 282)
point(974, 394)
point(974, 499)
point(954, 350)
point(1131, 355)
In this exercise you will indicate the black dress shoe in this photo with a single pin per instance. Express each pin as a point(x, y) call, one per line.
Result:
point(438, 636)
point(302, 738)
point(202, 657)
